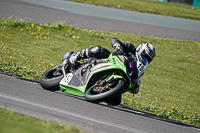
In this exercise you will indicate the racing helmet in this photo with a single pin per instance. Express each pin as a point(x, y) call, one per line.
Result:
point(145, 53)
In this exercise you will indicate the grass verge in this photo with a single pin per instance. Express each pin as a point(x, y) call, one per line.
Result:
point(169, 87)
point(150, 6)
point(11, 122)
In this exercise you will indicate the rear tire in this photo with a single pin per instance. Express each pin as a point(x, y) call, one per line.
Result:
point(107, 95)
point(51, 78)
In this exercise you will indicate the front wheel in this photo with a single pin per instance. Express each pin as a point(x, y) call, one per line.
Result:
point(51, 78)
point(110, 91)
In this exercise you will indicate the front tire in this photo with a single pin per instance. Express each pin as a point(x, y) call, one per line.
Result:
point(51, 78)
point(113, 92)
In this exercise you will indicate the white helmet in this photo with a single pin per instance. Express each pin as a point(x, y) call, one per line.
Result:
point(145, 53)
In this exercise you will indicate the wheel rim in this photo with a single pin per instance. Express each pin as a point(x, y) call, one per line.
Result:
point(53, 73)
point(103, 88)
point(114, 90)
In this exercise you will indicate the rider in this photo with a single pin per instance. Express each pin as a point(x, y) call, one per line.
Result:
point(142, 55)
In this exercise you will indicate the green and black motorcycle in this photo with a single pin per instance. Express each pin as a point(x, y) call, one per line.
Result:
point(98, 80)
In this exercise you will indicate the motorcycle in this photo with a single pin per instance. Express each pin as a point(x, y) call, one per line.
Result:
point(98, 80)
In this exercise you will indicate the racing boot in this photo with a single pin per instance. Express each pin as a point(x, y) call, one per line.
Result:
point(97, 52)
point(67, 55)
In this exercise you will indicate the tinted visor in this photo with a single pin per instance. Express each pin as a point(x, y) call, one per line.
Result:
point(144, 58)
point(148, 58)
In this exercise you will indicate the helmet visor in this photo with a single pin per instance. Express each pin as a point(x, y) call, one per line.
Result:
point(147, 57)
point(143, 57)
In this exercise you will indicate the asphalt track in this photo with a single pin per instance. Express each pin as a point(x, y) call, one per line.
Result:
point(29, 98)
point(101, 18)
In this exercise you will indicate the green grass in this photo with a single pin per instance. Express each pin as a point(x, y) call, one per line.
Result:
point(169, 87)
point(150, 6)
point(11, 122)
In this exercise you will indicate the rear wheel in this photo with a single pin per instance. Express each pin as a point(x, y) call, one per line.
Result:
point(51, 78)
point(105, 91)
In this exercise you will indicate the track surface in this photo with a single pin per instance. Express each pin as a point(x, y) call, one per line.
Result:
point(29, 98)
point(101, 18)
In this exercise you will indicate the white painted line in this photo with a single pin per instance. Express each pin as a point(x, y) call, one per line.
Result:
point(119, 126)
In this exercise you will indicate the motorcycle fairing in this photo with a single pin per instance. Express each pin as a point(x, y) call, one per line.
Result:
point(87, 75)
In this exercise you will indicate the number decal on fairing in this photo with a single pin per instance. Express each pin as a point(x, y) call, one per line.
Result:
point(67, 78)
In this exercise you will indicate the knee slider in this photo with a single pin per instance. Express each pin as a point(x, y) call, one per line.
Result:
point(68, 54)
point(98, 52)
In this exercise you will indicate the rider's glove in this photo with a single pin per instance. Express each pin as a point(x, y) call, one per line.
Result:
point(73, 58)
point(118, 48)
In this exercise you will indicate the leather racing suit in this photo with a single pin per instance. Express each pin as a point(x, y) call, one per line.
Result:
point(99, 52)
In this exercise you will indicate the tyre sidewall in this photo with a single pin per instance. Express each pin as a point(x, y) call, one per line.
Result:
point(106, 95)
point(50, 84)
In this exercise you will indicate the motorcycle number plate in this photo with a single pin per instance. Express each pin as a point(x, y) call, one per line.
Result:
point(67, 79)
